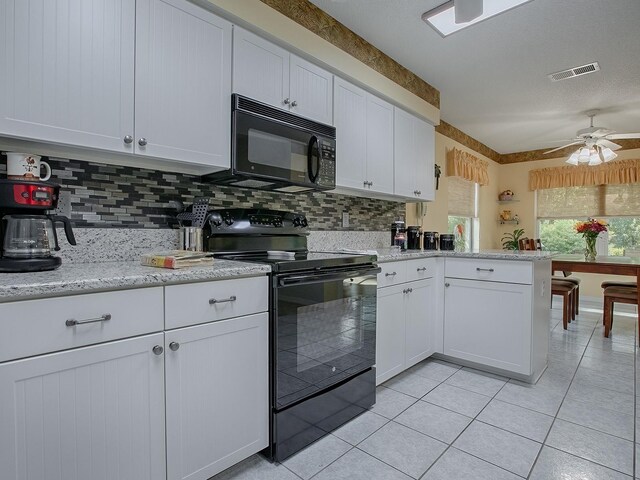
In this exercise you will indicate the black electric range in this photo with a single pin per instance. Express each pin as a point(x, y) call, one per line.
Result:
point(322, 323)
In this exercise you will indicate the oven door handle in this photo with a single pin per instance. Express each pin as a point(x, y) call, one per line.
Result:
point(326, 277)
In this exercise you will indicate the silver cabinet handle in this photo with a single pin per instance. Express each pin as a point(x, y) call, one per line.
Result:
point(173, 346)
point(157, 350)
point(484, 269)
point(286, 101)
point(128, 139)
point(419, 192)
point(294, 103)
point(390, 274)
point(423, 269)
point(447, 284)
point(213, 301)
point(142, 142)
point(408, 290)
point(72, 322)
point(415, 192)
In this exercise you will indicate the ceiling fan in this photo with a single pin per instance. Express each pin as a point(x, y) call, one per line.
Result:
point(597, 145)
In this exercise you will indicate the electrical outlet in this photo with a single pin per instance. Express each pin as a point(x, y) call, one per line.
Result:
point(64, 204)
point(345, 219)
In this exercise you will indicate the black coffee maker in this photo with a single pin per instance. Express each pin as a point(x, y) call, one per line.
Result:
point(27, 233)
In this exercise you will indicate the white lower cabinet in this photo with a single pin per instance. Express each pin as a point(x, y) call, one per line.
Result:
point(406, 326)
point(488, 323)
point(90, 413)
point(217, 387)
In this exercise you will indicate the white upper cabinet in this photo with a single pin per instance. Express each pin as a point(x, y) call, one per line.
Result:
point(67, 71)
point(379, 127)
point(414, 155)
point(350, 110)
point(183, 83)
point(270, 74)
point(364, 131)
point(260, 69)
point(311, 91)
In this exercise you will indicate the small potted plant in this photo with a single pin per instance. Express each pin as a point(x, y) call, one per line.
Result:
point(510, 240)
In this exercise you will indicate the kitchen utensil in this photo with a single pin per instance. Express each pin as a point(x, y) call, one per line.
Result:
point(191, 239)
point(24, 166)
point(199, 210)
point(447, 241)
point(413, 237)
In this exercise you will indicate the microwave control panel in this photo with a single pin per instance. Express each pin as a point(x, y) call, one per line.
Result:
point(327, 173)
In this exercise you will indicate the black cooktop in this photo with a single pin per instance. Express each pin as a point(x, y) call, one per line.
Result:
point(299, 261)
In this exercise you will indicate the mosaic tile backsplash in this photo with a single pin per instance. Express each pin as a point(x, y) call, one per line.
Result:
point(117, 196)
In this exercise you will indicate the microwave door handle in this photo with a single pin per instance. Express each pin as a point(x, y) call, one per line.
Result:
point(313, 176)
point(319, 277)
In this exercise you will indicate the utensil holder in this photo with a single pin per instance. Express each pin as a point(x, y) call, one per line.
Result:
point(191, 239)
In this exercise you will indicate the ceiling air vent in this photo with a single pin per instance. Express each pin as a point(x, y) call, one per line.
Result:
point(574, 72)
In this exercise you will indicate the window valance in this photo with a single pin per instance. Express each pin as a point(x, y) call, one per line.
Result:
point(613, 173)
point(463, 164)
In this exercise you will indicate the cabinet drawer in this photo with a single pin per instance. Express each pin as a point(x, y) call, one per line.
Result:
point(392, 273)
point(34, 327)
point(194, 303)
point(421, 268)
point(491, 270)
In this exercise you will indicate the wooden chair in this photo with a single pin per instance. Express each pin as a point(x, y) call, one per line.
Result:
point(617, 295)
point(567, 291)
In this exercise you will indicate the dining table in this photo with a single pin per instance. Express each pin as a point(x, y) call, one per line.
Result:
point(608, 265)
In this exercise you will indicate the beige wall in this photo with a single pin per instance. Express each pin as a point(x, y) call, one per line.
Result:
point(516, 177)
point(437, 211)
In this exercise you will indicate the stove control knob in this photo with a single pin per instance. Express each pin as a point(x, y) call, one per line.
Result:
point(228, 221)
point(215, 220)
point(297, 222)
point(304, 222)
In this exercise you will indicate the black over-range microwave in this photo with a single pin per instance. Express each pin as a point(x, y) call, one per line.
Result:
point(275, 150)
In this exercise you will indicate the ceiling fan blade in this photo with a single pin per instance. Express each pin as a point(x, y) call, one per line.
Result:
point(621, 136)
point(602, 132)
point(564, 146)
point(603, 142)
point(467, 10)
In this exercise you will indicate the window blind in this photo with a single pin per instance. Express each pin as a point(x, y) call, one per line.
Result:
point(462, 197)
point(592, 201)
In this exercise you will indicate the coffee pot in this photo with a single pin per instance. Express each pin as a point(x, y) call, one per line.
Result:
point(33, 236)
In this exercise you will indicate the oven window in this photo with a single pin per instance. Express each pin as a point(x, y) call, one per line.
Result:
point(325, 334)
point(276, 151)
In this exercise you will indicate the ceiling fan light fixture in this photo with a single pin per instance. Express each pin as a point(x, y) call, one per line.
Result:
point(607, 154)
point(584, 155)
point(573, 159)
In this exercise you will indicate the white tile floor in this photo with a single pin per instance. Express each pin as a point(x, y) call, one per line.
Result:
point(441, 421)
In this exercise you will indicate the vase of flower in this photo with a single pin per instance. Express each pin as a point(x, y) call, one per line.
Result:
point(590, 231)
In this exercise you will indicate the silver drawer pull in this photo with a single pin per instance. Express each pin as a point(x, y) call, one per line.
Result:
point(73, 322)
point(213, 301)
point(423, 269)
point(390, 274)
point(484, 269)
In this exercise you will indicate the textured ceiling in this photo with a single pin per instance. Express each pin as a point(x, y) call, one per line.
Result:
point(493, 76)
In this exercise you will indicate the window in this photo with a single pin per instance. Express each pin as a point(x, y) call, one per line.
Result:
point(463, 212)
point(560, 208)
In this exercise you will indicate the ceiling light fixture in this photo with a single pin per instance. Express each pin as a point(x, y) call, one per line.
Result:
point(450, 17)
point(591, 156)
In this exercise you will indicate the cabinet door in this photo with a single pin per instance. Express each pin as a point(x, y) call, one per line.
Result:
point(403, 154)
point(183, 83)
point(67, 71)
point(260, 69)
point(311, 90)
point(488, 323)
point(90, 413)
point(425, 160)
point(217, 395)
point(390, 333)
point(379, 144)
point(420, 321)
point(350, 114)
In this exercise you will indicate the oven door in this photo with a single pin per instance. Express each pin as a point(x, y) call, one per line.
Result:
point(324, 330)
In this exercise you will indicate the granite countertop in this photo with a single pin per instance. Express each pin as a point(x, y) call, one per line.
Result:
point(75, 278)
point(388, 255)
